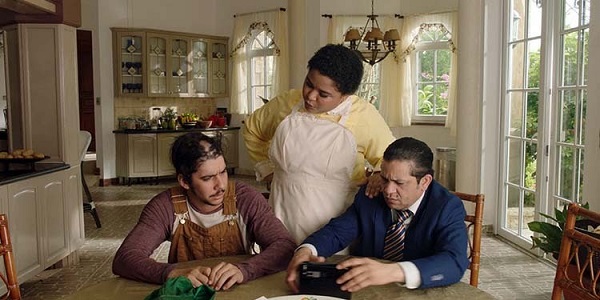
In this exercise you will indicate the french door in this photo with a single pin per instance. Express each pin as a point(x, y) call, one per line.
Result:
point(544, 108)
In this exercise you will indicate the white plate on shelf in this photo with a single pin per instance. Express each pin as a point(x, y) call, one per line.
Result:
point(305, 297)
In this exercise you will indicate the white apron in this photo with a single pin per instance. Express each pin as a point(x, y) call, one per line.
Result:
point(314, 159)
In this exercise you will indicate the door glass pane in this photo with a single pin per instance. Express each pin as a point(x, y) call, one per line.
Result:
point(516, 64)
point(565, 172)
point(517, 24)
point(581, 118)
point(533, 66)
point(569, 56)
point(570, 14)
point(512, 209)
point(534, 19)
point(567, 116)
point(515, 159)
point(528, 213)
point(585, 11)
point(530, 165)
point(586, 55)
point(580, 175)
point(516, 114)
point(532, 115)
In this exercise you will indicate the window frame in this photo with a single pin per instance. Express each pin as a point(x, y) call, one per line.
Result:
point(421, 46)
point(254, 53)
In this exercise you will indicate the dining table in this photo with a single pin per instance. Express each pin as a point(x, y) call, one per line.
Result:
point(273, 285)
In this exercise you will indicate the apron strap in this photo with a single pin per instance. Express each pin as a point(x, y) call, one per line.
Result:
point(230, 199)
point(179, 199)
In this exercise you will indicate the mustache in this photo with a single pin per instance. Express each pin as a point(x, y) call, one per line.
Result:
point(218, 193)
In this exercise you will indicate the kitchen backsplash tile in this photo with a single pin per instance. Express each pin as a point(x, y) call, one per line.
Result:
point(140, 107)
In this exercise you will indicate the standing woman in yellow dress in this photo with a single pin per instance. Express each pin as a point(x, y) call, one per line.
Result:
point(311, 145)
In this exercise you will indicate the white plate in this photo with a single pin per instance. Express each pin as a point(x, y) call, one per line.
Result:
point(305, 297)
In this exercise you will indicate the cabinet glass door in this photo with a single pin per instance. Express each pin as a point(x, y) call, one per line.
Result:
point(131, 61)
point(219, 69)
point(179, 66)
point(157, 62)
point(199, 67)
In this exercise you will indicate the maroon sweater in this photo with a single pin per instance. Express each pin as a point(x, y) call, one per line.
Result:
point(155, 226)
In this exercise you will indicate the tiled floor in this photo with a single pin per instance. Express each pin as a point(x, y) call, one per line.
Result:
point(506, 273)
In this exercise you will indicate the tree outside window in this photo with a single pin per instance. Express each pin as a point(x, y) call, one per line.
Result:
point(432, 66)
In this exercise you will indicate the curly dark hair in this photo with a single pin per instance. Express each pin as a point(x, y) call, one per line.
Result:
point(413, 150)
point(190, 150)
point(340, 64)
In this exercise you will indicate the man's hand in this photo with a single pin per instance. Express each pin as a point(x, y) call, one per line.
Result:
point(224, 275)
point(364, 272)
point(374, 185)
point(303, 254)
point(197, 275)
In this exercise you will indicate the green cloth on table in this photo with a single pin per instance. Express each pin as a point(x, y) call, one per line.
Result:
point(181, 288)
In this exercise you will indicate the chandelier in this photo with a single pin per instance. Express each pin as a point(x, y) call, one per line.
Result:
point(371, 44)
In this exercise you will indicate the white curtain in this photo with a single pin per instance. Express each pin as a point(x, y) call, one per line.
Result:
point(391, 91)
point(410, 30)
point(277, 22)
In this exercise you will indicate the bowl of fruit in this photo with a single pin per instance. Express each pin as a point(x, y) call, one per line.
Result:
point(189, 120)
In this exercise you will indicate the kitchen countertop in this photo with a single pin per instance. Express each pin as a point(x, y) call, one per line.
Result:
point(140, 131)
point(37, 169)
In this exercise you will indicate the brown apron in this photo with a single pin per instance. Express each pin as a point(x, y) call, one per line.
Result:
point(192, 241)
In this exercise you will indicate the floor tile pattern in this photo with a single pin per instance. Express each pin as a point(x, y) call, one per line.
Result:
point(506, 272)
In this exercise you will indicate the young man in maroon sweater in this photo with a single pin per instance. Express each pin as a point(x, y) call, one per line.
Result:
point(206, 215)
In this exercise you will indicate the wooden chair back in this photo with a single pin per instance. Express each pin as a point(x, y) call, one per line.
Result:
point(10, 279)
point(474, 230)
point(577, 271)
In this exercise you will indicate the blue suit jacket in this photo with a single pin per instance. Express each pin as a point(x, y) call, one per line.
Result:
point(436, 240)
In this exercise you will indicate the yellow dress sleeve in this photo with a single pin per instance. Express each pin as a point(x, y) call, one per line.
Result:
point(260, 127)
point(372, 135)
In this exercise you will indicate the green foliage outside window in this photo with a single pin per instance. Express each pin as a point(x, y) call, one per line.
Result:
point(569, 115)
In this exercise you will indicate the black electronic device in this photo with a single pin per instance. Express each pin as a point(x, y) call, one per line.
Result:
point(319, 279)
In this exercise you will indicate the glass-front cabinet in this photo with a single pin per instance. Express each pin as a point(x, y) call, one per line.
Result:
point(130, 65)
point(178, 66)
point(219, 69)
point(200, 67)
point(157, 65)
point(170, 64)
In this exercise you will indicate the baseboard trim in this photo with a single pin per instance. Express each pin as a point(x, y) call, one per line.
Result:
point(108, 182)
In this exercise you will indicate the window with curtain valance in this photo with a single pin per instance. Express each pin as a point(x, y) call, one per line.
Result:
point(259, 59)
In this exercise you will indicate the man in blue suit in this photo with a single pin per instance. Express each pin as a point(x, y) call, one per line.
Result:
point(435, 240)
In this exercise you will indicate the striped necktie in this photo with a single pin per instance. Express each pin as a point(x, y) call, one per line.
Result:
point(394, 237)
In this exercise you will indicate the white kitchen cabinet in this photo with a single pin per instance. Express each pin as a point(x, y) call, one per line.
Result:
point(136, 155)
point(74, 207)
point(229, 143)
point(149, 154)
point(44, 225)
point(165, 141)
point(24, 222)
point(54, 219)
